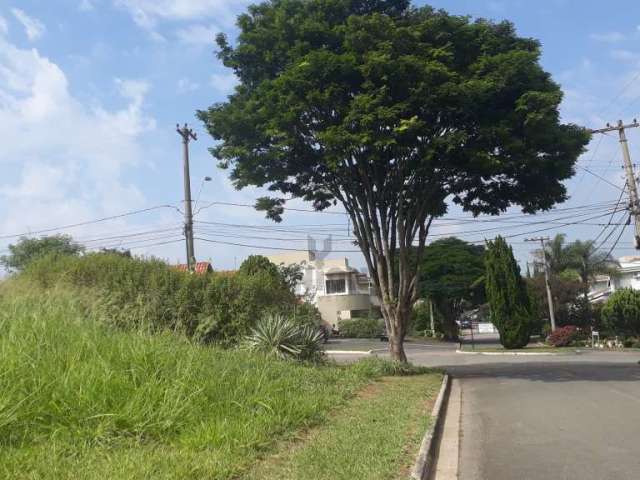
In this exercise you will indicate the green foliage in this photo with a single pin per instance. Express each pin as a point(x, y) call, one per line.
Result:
point(568, 300)
point(390, 110)
point(151, 296)
point(26, 250)
point(281, 337)
point(291, 274)
point(257, 264)
point(361, 327)
point(81, 400)
point(507, 295)
point(621, 313)
point(373, 367)
point(451, 273)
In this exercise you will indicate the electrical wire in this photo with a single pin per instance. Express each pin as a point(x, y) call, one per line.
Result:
point(88, 222)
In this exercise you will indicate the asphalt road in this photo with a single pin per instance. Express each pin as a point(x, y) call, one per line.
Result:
point(550, 421)
point(544, 417)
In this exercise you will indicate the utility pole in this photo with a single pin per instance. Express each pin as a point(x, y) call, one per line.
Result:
point(552, 316)
point(628, 168)
point(432, 319)
point(187, 135)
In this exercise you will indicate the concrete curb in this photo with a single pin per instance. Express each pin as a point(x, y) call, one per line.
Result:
point(463, 352)
point(423, 468)
point(348, 352)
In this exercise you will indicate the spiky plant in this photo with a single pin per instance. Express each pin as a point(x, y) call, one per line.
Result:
point(279, 336)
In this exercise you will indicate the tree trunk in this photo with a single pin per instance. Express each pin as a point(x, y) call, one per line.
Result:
point(396, 319)
point(396, 349)
point(449, 329)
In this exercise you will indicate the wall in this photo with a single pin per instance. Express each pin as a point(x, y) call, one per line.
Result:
point(330, 305)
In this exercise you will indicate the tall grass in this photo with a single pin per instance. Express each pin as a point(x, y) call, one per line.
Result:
point(138, 293)
point(81, 400)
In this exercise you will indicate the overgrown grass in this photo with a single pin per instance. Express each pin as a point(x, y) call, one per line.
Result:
point(79, 399)
point(376, 437)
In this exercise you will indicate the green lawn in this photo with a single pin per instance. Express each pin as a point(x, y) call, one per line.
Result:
point(377, 436)
point(81, 400)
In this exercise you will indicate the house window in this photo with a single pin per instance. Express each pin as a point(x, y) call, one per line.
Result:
point(336, 286)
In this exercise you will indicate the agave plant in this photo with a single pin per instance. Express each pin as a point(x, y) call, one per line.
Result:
point(279, 336)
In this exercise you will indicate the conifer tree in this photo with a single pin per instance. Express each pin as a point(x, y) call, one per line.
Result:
point(507, 295)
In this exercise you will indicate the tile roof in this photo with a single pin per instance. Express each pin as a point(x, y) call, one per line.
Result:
point(201, 267)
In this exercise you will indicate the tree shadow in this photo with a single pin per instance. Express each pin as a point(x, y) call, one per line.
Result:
point(550, 372)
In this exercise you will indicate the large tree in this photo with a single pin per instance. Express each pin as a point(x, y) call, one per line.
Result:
point(393, 112)
point(26, 250)
point(450, 273)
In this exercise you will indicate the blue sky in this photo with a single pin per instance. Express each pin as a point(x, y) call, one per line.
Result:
point(91, 90)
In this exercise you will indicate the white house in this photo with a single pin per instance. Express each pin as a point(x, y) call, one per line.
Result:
point(627, 276)
point(338, 290)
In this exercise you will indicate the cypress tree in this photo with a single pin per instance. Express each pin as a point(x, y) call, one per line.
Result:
point(507, 295)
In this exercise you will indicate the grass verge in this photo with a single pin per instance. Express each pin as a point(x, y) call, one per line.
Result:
point(79, 399)
point(376, 436)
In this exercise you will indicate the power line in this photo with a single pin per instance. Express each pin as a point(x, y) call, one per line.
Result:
point(615, 243)
point(610, 219)
point(600, 177)
point(88, 222)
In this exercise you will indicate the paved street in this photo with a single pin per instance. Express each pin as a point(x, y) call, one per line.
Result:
point(544, 417)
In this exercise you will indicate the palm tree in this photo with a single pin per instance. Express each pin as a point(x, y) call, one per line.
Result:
point(555, 252)
point(581, 257)
point(585, 259)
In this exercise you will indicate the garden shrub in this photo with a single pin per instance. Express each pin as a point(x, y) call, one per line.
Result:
point(621, 314)
point(361, 327)
point(563, 336)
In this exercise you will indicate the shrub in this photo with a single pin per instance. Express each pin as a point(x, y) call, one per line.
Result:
point(563, 336)
point(281, 337)
point(361, 327)
point(152, 296)
point(621, 314)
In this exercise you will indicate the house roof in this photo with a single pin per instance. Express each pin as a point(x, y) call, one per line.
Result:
point(200, 268)
point(336, 270)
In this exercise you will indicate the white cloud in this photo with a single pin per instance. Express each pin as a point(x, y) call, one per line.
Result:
point(86, 5)
point(607, 37)
point(4, 26)
point(185, 85)
point(33, 27)
point(625, 55)
point(63, 161)
point(147, 12)
point(197, 35)
point(224, 82)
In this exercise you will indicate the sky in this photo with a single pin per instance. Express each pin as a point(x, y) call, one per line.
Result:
point(91, 91)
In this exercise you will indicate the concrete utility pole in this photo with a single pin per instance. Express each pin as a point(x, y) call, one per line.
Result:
point(552, 316)
point(628, 168)
point(187, 135)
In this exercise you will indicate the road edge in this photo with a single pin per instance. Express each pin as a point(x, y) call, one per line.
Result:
point(423, 467)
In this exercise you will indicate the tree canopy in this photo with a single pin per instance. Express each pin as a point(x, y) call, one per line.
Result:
point(26, 250)
point(392, 111)
point(450, 273)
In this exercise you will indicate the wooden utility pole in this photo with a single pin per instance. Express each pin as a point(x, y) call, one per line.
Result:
point(187, 135)
point(628, 169)
point(552, 316)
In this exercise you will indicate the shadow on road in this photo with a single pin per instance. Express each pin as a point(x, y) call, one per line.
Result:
point(550, 372)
